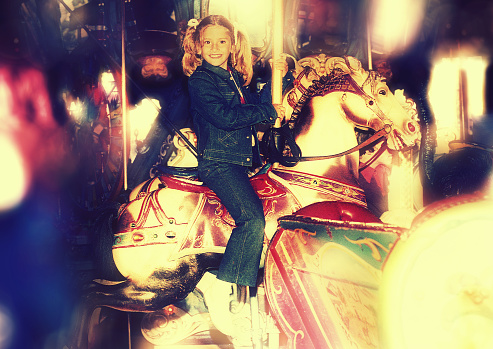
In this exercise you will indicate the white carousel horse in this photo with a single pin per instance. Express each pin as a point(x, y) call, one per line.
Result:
point(174, 229)
point(343, 107)
point(355, 98)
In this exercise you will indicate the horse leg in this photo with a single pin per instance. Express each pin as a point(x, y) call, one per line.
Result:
point(165, 286)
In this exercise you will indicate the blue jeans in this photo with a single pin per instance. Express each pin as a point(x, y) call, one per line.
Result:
point(231, 184)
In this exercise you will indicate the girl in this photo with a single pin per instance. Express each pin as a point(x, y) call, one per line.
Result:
point(217, 58)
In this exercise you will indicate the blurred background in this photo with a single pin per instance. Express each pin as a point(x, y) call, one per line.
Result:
point(61, 128)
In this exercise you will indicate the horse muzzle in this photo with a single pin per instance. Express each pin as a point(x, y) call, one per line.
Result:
point(405, 138)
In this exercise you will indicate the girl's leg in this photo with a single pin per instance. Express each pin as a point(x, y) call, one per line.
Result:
point(241, 259)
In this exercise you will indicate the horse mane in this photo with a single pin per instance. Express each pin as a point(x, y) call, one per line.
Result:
point(338, 79)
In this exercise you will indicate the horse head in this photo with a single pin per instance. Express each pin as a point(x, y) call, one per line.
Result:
point(382, 106)
point(325, 112)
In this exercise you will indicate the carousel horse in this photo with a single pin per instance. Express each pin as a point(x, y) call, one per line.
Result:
point(175, 229)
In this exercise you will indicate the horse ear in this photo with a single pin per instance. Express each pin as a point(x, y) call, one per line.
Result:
point(339, 63)
point(356, 68)
point(353, 63)
point(297, 66)
point(307, 61)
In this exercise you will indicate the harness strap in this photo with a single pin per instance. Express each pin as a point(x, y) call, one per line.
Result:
point(381, 133)
point(375, 156)
point(292, 99)
point(335, 190)
point(275, 155)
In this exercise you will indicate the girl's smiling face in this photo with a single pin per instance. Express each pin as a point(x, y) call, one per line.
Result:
point(216, 46)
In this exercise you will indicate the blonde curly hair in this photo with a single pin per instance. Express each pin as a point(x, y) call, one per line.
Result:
point(240, 58)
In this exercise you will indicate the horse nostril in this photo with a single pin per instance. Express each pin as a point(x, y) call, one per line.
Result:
point(411, 127)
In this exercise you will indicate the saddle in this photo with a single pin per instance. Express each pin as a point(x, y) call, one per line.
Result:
point(196, 221)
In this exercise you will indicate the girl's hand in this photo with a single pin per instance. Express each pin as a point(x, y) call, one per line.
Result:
point(281, 114)
point(280, 64)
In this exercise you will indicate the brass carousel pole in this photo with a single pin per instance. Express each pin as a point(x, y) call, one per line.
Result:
point(124, 103)
point(368, 41)
point(277, 49)
point(125, 132)
point(402, 185)
point(463, 101)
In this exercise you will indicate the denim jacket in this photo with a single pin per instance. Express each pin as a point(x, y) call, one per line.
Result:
point(223, 125)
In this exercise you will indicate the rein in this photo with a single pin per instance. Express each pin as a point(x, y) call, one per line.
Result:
point(380, 134)
point(375, 156)
point(290, 161)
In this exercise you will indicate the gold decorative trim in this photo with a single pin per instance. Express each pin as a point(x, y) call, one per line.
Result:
point(372, 245)
point(324, 185)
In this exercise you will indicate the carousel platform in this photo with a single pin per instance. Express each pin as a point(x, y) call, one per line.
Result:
point(118, 329)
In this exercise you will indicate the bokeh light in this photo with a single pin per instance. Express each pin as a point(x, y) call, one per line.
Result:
point(394, 25)
point(15, 174)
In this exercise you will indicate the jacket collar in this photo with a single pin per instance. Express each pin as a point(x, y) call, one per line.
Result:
point(223, 73)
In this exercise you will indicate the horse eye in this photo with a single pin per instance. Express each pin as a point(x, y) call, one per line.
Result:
point(382, 92)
